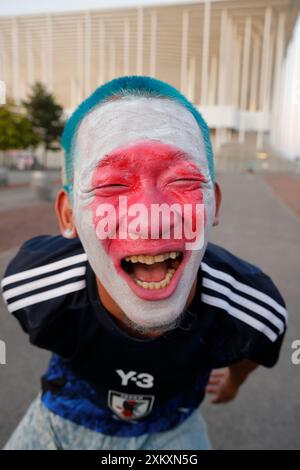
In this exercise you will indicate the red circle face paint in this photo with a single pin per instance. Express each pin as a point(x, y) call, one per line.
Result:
point(149, 251)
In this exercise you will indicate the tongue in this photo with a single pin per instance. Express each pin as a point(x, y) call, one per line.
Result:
point(151, 273)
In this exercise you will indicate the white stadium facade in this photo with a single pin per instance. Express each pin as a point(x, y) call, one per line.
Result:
point(238, 61)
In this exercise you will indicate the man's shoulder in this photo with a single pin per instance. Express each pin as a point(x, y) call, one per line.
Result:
point(54, 245)
point(226, 267)
point(45, 268)
point(47, 250)
point(220, 258)
point(230, 271)
point(243, 291)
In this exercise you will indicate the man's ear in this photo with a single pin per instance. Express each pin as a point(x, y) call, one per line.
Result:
point(64, 215)
point(218, 199)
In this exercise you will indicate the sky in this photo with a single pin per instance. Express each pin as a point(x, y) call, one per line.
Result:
point(20, 7)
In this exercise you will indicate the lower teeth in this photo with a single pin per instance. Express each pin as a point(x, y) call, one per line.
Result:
point(157, 285)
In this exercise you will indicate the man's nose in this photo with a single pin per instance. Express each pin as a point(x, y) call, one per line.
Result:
point(155, 220)
point(151, 194)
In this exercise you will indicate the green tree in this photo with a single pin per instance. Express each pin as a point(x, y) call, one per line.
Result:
point(46, 117)
point(16, 131)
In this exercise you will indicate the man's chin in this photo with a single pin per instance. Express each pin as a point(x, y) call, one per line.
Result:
point(158, 328)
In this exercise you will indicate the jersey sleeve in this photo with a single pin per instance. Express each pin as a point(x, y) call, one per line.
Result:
point(248, 315)
point(42, 287)
point(269, 324)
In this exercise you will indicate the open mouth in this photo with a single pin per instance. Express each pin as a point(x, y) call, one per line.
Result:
point(152, 273)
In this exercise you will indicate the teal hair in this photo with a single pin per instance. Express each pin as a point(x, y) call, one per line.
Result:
point(124, 86)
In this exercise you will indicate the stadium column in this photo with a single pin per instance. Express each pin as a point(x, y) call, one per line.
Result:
point(254, 73)
point(2, 58)
point(44, 55)
point(264, 73)
point(205, 53)
point(212, 86)
point(79, 62)
point(191, 79)
point(280, 40)
point(101, 53)
point(15, 60)
point(139, 43)
point(30, 65)
point(126, 47)
point(228, 74)
point(112, 59)
point(153, 45)
point(220, 131)
point(245, 80)
point(184, 51)
point(237, 44)
point(87, 53)
point(49, 53)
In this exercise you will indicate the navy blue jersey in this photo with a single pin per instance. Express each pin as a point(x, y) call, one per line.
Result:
point(108, 381)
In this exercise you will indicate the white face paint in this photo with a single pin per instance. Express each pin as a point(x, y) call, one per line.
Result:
point(121, 123)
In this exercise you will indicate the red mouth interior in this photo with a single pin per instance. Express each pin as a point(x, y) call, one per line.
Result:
point(153, 272)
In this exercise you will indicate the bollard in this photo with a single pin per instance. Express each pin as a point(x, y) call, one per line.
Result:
point(3, 177)
point(41, 185)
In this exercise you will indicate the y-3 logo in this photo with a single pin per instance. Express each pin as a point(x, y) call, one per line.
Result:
point(142, 380)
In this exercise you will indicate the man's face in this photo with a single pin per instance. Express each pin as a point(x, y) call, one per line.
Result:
point(132, 156)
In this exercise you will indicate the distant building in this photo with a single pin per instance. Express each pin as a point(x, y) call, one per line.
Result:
point(226, 56)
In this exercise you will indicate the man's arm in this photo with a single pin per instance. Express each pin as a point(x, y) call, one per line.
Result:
point(41, 285)
point(224, 384)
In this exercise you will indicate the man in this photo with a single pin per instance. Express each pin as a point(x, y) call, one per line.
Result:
point(136, 306)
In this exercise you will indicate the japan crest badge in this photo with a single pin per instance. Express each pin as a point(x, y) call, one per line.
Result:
point(130, 407)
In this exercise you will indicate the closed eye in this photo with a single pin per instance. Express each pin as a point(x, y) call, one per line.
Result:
point(110, 189)
point(187, 181)
point(112, 186)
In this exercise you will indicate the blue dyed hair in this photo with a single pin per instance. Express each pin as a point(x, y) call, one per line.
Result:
point(124, 86)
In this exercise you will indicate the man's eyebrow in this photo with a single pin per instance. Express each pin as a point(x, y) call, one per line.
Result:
point(117, 157)
point(109, 158)
point(181, 154)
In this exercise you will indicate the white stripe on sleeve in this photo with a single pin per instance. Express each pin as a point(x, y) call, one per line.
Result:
point(45, 281)
point(217, 302)
point(44, 269)
point(245, 288)
point(243, 302)
point(49, 294)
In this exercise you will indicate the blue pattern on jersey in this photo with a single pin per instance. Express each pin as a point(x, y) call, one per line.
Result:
point(77, 401)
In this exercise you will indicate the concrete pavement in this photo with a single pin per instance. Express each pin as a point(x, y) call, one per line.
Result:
point(260, 228)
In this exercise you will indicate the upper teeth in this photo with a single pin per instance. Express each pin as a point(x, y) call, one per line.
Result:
point(152, 259)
